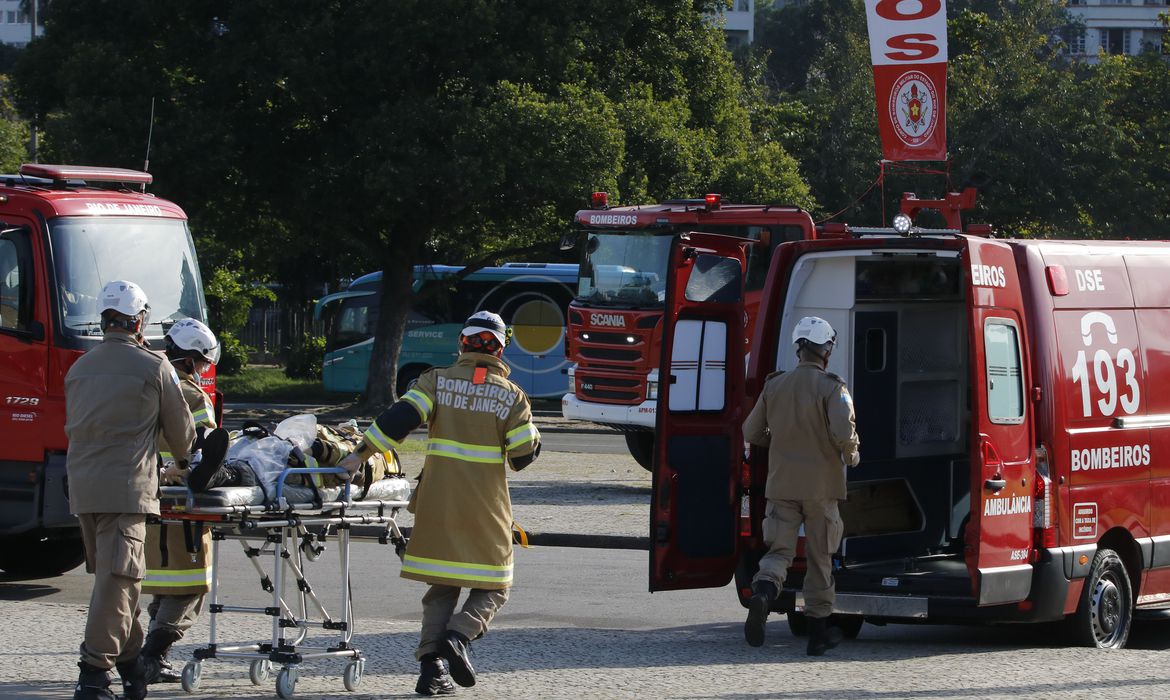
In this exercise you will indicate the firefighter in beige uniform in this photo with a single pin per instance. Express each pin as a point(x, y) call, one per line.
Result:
point(479, 421)
point(805, 418)
point(117, 398)
point(178, 566)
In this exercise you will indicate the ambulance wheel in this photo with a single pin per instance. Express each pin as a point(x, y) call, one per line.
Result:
point(286, 682)
point(850, 625)
point(1105, 614)
point(641, 447)
point(191, 675)
point(260, 672)
point(797, 624)
point(352, 677)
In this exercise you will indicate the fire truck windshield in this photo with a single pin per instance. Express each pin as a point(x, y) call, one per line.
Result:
point(156, 254)
point(624, 268)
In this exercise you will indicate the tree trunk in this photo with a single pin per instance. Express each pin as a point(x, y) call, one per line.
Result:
point(393, 306)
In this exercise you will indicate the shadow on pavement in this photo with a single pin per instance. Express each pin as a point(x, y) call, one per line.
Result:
point(10, 589)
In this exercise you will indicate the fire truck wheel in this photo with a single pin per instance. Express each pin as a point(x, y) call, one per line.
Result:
point(641, 446)
point(32, 555)
point(1105, 613)
point(797, 624)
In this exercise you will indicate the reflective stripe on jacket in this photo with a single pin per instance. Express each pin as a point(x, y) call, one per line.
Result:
point(178, 559)
point(478, 422)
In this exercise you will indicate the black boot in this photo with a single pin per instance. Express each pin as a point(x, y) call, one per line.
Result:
point(822, 636)
point(433, 678)
point(454, 648)
point(93, 683)
point(763, 593)
point(154, 651)
point(202, 475)
point(136, 676)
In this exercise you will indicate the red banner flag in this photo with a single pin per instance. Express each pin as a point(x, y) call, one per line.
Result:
point(908, 48)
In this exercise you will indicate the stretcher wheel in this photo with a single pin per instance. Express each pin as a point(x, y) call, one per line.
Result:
point(190, 676)
point(353, 674)
point(312, 551)
point(260, 671)
point(286, 682)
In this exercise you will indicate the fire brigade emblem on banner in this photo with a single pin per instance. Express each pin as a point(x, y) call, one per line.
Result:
point(914, 108)
point(908, 49)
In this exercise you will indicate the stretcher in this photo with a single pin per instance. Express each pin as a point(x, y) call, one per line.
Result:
point(288, 532)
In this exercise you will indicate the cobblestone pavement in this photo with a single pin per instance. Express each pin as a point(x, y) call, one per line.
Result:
point(520, 660)
point(581, 625)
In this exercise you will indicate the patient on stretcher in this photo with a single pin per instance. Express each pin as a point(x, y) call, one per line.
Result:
point(256, 458)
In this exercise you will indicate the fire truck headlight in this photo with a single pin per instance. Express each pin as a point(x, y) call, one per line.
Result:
point(652, 391)
point(902, 224)
point(631, 339)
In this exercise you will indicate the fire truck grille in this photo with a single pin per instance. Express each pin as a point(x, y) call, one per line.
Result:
point(611, 354)
point(609, 338)
point(610, 389)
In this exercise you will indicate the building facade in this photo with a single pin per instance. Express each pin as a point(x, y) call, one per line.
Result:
point(1119, 27)
point(16, 24)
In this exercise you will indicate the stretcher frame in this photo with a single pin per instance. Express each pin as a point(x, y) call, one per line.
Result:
point(282, 529)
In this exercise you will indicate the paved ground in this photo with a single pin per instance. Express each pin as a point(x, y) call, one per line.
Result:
point(581, 625)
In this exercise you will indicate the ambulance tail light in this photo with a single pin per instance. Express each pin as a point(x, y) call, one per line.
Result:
point(1042, 516)
point(1057, 280)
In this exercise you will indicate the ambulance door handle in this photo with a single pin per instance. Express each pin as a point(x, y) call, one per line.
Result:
point(995, 485)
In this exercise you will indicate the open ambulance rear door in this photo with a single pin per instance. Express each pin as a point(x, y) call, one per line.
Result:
point(699, 447)
point(999, 533)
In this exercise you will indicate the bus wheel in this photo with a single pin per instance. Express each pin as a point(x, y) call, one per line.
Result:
point(641, 446)
point(32, 555)
point(1105, 613)
point(407, 376)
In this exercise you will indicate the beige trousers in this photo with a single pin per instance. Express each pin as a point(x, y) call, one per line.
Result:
point(822, 536)
point(114, 554)
point(439, 614)
point(175, 612)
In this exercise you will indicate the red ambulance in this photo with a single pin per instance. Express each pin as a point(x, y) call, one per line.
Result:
point(1013, 406)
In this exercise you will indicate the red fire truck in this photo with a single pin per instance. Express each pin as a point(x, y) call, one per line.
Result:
point(1015, 445)
point(64, 232)
point(614, 327)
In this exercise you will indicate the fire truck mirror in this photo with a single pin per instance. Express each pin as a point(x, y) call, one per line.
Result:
point(569, 241)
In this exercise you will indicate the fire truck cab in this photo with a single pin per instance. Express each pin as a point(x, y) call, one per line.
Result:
point(64, 232)
point(1015, 447)
point(614, 333)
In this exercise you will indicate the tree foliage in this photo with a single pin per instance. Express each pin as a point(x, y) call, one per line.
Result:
point(1054, 144)
point(312, 139)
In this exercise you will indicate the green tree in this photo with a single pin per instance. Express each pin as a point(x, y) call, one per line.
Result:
point(312, 140)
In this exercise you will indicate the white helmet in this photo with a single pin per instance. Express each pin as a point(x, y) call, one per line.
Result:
point(481, 321)
point(815, 330)
point(189, 334)
point(124, 297)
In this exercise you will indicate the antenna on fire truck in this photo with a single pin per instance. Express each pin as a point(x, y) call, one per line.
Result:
point(149, 134)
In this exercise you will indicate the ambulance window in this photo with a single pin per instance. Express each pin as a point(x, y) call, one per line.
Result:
point(1005, 388)
point(12, 274)
point(715, 279)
